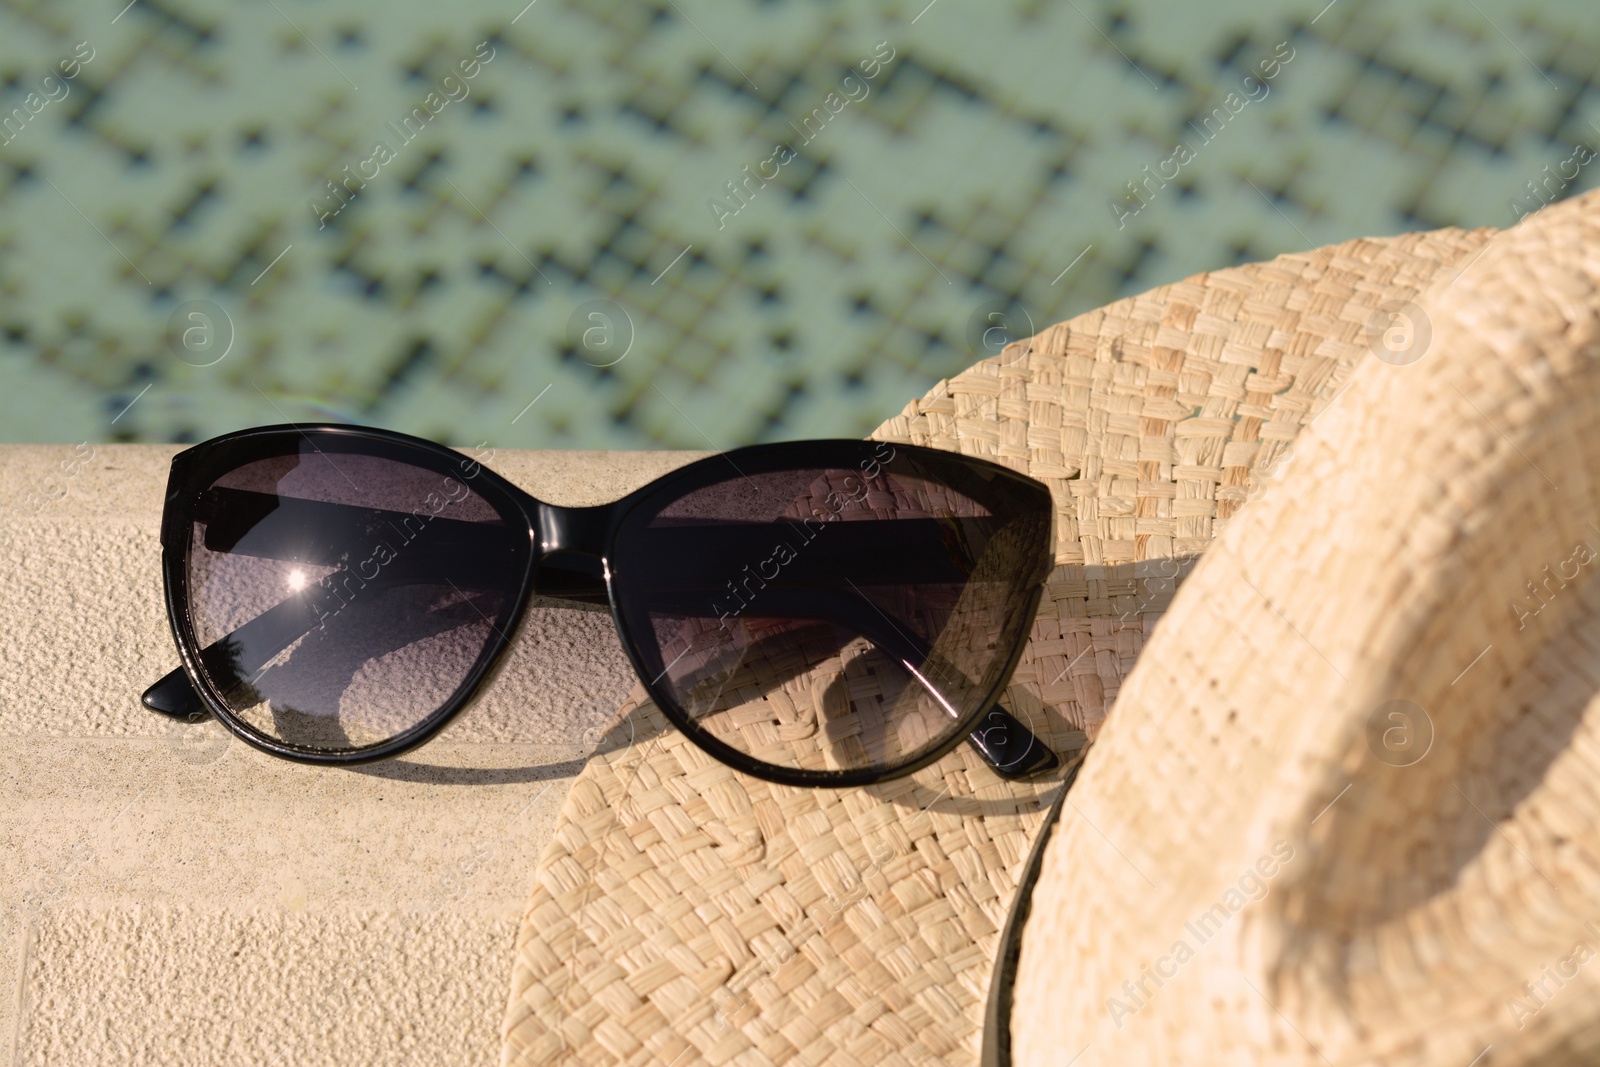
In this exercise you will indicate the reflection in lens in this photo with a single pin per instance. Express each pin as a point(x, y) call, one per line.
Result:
point(836, 619)
point(342, 599)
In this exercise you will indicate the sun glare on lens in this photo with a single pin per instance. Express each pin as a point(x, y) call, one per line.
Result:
point(297, 579)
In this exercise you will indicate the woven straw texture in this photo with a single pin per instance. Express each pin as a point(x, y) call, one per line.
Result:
point(1353, 780)
point(684, 914)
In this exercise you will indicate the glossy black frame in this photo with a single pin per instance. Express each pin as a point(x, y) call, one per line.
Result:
point(589, 534)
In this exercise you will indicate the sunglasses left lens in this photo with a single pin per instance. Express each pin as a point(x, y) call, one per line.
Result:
point(341, 600)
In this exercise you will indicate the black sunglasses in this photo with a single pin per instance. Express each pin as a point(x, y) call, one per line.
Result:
point(828, 613)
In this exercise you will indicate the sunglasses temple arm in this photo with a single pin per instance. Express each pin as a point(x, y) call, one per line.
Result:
point(174, 695)
point(1008, 747)
point(253, 645)
point(1004, 743)
point(471, 557)
point(230, 659)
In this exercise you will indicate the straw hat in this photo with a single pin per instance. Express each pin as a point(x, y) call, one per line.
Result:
point(1353, 778)
point(684, 914)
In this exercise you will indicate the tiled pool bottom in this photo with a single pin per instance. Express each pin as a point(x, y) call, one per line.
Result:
point(687, 225)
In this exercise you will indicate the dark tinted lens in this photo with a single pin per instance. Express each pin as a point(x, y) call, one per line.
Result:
point(343, 599)
point(834, 619)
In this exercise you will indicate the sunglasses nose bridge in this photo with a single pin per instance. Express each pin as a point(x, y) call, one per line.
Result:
point(580, 530)
point(571, 546)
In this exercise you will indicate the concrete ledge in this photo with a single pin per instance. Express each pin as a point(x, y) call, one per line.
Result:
point(170, 896)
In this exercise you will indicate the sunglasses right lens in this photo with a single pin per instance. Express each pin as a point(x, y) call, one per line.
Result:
point(342, 599)
point(836, 619)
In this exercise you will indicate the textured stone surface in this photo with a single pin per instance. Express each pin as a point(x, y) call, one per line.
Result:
point(170, 896)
